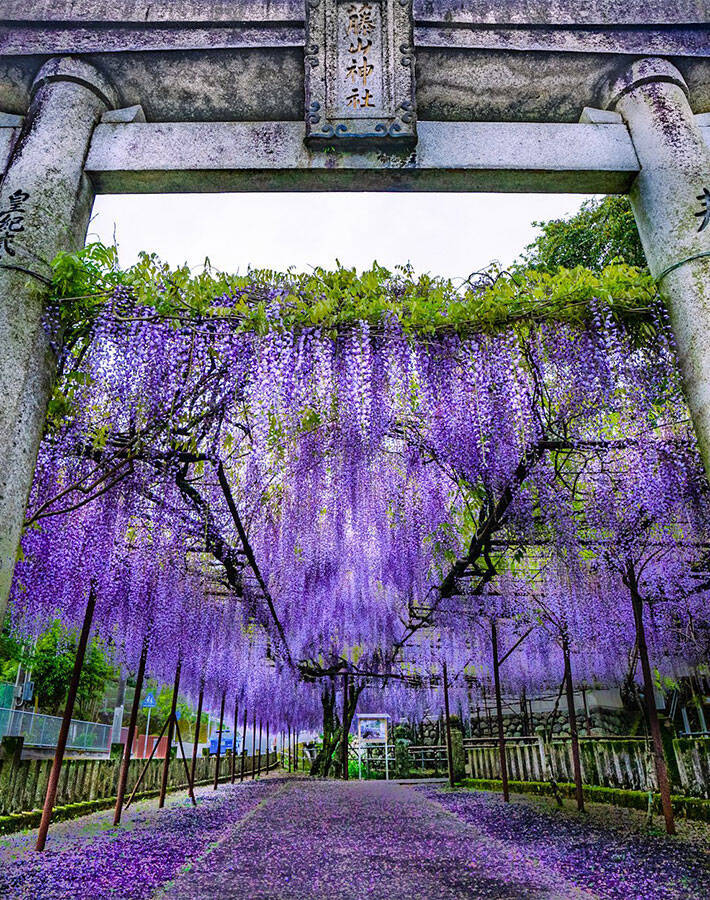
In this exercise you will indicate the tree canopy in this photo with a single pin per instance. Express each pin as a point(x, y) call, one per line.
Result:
point(601, 233)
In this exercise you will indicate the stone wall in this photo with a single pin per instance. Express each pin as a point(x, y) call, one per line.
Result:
point(23, 782)
point(602, 720)
point(613, 763)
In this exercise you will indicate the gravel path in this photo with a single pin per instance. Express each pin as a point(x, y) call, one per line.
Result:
point(298, 839)
point(336, 841)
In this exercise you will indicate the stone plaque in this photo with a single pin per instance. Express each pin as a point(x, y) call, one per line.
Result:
point(360, 72)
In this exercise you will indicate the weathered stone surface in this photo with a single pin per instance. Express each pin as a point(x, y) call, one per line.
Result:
point(359, 72)
point(273, 156)
point(671, 202)
point(518, 60)
point(48, 199)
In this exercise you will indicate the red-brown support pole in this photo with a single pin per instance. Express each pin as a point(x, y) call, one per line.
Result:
point(171, 722)
point(346, 729)
point(219, 742)
point(123, 776)
point(659, 755)
point(253, 746)
point(234, 738)
point(244, 747)
point(198, 723)
point(267, 746)
point(499, 712)
point(289, 748)
point(576, 765)
point(53, 782)
point(147, 763)
point(258, 765)
point(190, 785)
point(449, 749)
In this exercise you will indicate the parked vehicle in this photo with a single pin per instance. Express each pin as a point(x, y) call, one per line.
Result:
point(227, 742)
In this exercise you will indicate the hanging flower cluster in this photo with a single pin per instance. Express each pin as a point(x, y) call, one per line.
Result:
point(277, 504)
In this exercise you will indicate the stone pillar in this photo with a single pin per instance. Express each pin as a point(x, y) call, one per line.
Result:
point(671, 202)
point(49, 201)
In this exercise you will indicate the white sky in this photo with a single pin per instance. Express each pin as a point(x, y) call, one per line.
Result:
point(445, 234)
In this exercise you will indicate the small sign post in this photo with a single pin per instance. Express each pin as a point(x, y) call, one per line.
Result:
point(372, 730)
point(149, 702)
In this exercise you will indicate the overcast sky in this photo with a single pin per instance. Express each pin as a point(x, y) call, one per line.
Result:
point(445, 234)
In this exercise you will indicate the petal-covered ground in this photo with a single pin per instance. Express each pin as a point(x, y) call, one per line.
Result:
point(297, 839)
point(605, 851)
point(89, 859)
point(317, 840)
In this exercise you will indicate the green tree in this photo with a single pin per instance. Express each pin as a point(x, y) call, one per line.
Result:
point(601, 232)
point(52, 663)
point(10, 655)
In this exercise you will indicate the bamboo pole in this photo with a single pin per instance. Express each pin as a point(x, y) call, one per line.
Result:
point(219, 742)
point(234, 738)
point(193, 767)
point(346, 728)
point(253, 746)
point(576, 765)
point(244, 747)
point(190, 784)
point(123, 776)
point(449, 749)
point(171, 722)
point(258, 765)
point(147, 763)
point(499, 712)
point(650, 698)
point(53, 782)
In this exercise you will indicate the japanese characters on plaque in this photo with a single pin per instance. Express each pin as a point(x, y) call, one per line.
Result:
point(360, 72)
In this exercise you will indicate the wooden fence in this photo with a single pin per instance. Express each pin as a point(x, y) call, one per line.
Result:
point(606, 762)
point(23, 782)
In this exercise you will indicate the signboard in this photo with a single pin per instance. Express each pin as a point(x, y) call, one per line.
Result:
point(359, 60)
point(372, 729)
point(149, 701)
point(372, 732)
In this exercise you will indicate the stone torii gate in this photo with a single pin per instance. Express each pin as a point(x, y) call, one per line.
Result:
point(281, 95)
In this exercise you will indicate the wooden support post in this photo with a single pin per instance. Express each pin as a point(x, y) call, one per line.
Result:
point(253, 746)
point(198, 723)
point(267, 746)
point(244, 747)
point(147, 763)
point(579, 792)
point(258, 765)
point(650, 698)
point(234, 739)
point(219, 742)
point(587, 720)
point(289, 748)
point(53, 782)
point(130, 737)
point(346, 728)
point(190, 783)
point(499, 711)
point(449, 749)
point(171, 722)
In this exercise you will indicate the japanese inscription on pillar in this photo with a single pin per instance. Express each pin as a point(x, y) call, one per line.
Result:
point(360, 72)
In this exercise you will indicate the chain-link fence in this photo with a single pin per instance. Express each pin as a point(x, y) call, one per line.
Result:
point(39, 730)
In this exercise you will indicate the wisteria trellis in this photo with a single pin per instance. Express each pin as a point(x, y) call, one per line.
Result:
point(278, 505)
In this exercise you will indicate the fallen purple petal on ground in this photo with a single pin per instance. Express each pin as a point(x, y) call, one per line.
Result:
point(303, 839)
